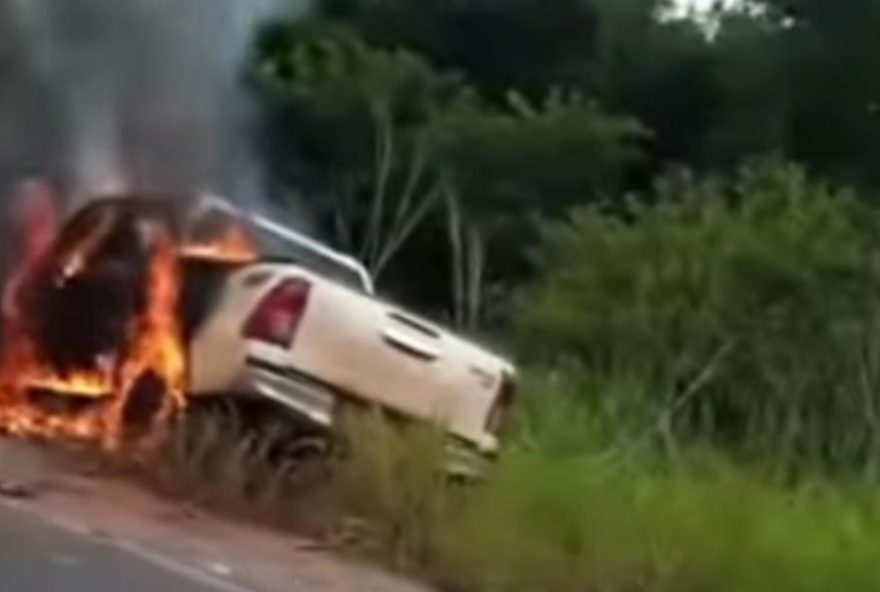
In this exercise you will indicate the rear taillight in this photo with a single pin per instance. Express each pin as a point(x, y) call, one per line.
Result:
point(278, 315)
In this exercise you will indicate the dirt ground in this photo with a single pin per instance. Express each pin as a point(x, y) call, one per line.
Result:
point(61, 491)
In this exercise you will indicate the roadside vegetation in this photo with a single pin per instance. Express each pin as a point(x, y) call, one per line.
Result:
point(697, 413)
point(698, 410)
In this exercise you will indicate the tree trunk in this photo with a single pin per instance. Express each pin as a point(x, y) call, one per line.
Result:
point(467, 254)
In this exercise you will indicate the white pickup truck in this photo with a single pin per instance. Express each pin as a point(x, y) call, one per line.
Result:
point(299, 326)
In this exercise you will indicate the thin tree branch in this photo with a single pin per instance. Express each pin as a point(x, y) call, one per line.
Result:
point(341, 198)
point(416, 171)
point(457, 267)
point(384, 165)
point(409, 225)
point(476, 267)
point(693, 388)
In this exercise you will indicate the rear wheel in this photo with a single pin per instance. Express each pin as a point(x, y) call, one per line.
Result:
point(144, 404)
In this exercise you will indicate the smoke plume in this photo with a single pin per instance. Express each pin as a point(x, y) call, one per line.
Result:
point(137, 94)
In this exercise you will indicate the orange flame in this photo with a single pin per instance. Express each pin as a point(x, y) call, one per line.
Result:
point(233, 245)
point(154, 345)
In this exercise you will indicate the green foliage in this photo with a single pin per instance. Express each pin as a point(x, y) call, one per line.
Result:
point(376, 141)
point(789, 77)
point(710, 318)
point(541, 156)
point(329, 92)
point(502, 44)
point(392, 477)
point(590, 521)
point(796, 77)
point(327, 73)
point(617, 51)
point(349, 129)
point(661, 72)
point(545, 524)
point(507, 167)
point(753, 110)
point(741, 313)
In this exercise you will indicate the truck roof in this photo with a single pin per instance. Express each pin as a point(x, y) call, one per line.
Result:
point(346, 263)
point(296, 247)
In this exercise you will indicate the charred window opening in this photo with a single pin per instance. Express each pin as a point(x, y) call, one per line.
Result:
point(82, 301)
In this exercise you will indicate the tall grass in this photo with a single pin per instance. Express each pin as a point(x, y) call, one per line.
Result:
point(744, 315)
point(230, 459)
point(392, 478)
point(548, 520)
point(577, 525)
point(702, 415)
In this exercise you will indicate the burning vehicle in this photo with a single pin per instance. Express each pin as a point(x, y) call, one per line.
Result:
point(137, 306)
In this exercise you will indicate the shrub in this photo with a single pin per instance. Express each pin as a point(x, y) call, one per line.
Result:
point(569, 523)
point(581, 524)
point(391, 478)
point(253, 465)
point(742, 313)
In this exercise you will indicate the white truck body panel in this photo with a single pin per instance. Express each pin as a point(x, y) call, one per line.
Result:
point(351, 345)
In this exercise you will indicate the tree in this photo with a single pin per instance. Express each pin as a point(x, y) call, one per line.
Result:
point(753, 83)
point(825, 53)
point(620, 52)
point(349, 127)
point(507, 168)
point(499, 44)
point(380, 144)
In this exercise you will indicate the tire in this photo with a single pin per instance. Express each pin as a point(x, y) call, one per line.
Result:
point(144, 404)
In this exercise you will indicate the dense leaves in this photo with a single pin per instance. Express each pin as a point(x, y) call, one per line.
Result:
point(349, 128)
point(419, 129)
point(386, 150)
point(745, 313)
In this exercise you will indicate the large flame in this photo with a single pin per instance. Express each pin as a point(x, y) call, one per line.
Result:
point(154, 345)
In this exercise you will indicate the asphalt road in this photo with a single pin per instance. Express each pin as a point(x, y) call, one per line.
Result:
point(36, 556)
point(66, 528)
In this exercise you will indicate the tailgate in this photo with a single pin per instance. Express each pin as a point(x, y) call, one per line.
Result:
point(382, 354)
point(360, 347)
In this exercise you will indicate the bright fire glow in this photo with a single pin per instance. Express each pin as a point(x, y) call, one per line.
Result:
point(154, 345)
point(232, 245)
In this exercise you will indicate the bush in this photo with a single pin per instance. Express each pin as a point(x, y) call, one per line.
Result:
point(744, 314)
point(551, 524)
point(253, 465)
point(391, 477)
point(741, 315)
point(569, 523)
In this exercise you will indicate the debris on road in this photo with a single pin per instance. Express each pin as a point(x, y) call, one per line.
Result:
point(16, 490)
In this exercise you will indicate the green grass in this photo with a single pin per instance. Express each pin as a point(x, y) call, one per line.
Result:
point(553, 525)
point(551, 522)
point(584, 501)
point(391, 479)
point(568, 508)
